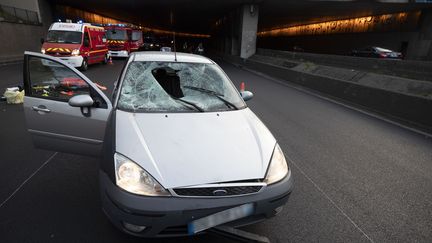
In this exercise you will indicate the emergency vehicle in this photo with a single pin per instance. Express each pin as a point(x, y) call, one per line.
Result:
point(78, 44)
point(123, 40)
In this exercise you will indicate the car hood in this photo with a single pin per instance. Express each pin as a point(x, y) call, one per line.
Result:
point(186, 149)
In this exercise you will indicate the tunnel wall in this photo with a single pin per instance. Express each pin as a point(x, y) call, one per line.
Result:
point(17, 38)
point(341, 44)
point(415, 42)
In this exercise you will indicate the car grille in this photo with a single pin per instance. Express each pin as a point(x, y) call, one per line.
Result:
point(210, 191)
point(58, 54)
point(115, 47)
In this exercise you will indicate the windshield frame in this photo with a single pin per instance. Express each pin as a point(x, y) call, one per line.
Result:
point(119, 86)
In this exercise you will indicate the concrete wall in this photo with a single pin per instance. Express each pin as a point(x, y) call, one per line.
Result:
point(421, 70)
point(17, 38)
point(32, 5)
point(421, 44)
point(236, 33)
point(248, 32)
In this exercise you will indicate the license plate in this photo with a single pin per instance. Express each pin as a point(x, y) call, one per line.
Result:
point(50, 63)
point(220, 218)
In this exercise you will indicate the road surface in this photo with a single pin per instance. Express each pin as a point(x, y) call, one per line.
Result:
point(357, 178)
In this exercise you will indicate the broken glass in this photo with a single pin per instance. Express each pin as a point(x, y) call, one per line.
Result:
point(158, 86)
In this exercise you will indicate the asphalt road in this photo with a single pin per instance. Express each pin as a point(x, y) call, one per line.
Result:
point(357, 178)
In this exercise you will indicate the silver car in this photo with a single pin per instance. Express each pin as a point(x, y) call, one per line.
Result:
point(180, 150)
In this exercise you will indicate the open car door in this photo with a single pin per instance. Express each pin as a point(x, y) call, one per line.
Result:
point(64, 110)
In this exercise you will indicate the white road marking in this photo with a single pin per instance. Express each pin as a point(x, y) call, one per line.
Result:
point(301, 171)
point(24, 182)
point(331, 200)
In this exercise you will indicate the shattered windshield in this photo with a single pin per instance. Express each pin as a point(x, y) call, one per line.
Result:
point(177, 87)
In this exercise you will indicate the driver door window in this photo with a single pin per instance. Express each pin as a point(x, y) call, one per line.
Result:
point(50, 80)
point(86, 39)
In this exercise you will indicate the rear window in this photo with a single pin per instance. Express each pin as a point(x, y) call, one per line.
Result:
point(136, 35)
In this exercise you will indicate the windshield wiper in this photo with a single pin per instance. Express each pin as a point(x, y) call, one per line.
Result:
point(213, 93)
point(189, 103)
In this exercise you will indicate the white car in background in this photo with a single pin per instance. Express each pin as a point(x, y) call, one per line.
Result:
point(165, 49)
point(180, 150)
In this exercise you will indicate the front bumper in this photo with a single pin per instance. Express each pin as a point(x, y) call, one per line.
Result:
point(169, 216)
point(118, 53)
point(75, 61)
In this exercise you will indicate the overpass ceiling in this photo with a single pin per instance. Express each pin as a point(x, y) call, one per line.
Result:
point(197, 16)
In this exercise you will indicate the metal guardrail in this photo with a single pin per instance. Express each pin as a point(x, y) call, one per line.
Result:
point(18, 15)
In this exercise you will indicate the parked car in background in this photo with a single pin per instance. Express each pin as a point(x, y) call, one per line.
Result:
point(165, 49)
point(77, 44)
point(298, 49)
point(180, 150)
point(377, 52)
point(151, 43)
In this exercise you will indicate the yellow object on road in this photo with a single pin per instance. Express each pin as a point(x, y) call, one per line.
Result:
point(14, 97)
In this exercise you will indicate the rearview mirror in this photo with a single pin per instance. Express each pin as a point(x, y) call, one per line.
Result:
point(42, 40)
point(81, 101)
point(246, 95)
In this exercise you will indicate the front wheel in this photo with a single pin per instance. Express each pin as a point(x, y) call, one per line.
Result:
point(84, 65)
point(105, 61)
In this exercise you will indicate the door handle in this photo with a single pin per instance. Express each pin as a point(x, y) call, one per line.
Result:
point(35, 108)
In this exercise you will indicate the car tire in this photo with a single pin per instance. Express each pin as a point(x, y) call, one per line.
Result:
point(105, 61)
point(84, 65)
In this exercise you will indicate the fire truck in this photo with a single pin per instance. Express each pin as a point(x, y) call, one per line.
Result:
point(78, 44)
point(123, 40)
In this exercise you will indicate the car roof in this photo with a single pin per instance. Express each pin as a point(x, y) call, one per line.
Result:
point(157, 56)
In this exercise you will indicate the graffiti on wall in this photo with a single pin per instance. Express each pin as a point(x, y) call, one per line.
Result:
point(387, 22)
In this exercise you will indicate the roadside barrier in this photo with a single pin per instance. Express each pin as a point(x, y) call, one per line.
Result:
point(410, 110)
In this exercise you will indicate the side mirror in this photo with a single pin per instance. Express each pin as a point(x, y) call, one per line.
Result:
point(246, 95)
point(86, 43)
point(42, 40)
point(81, 101)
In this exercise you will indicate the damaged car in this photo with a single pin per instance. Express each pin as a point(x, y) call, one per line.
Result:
point(180, 150)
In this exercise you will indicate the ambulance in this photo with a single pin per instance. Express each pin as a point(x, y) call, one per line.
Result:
point(78, 44)
point(123, 40)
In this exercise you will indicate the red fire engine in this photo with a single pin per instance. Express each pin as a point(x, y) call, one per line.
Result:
point(123, 40)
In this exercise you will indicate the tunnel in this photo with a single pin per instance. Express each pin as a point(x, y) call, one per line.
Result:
point(239, 27)
point(215, 121)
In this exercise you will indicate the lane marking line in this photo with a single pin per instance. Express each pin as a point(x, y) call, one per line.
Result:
point(328, 198)
point(314, 93)
point(26, 180)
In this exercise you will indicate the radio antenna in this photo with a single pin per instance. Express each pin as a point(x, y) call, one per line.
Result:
point(174, 39)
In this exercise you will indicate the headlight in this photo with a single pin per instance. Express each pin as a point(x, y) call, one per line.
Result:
point(75, 52)
point(43, 50)
point(278, 167)
point(151, 45)
point(132, 178)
